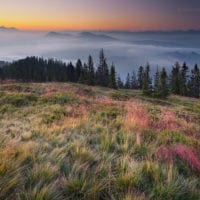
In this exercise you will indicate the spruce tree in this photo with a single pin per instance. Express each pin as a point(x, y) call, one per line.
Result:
point(102, 74)
point(105, 74)
point(175, 79)
point(183, 80)
point(71, 72)
point(78, 69)
point(91, 73)
point(112, 80)
point(140, 77)
point(163, 84)
point(128, 82)
point(147, 84)
point(134, 82)
point(120, 83)
point(84, 75)
point(195, 82)
point(1, 74)
point(157, 83)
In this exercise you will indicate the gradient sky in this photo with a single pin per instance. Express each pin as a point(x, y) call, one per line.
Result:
point(100, 14)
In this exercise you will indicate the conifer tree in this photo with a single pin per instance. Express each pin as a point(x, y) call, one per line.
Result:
point(157, 83)
point(84, 74)
point(1, 74)
point(128, 82)
point(105, 82)
point(194, 83)
point(102, 74)
point(183, 80)
point(147, 84)
point(79, 69)
point(163, 84)
point(71, 72)
point(140, 77)
point(112, 80)
point(91, 74)
point(134, 82)
point(120, 83)
point(175, 79)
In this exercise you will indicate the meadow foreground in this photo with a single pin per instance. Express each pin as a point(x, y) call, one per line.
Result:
point(70, 141)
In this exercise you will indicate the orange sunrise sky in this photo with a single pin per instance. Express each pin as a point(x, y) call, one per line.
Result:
point(100, 14)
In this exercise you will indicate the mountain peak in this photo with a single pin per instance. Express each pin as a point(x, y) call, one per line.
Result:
point(4, 28)
point(57, 34)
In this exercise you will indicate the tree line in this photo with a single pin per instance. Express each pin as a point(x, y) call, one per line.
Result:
point(35, 69)
point(179, 81)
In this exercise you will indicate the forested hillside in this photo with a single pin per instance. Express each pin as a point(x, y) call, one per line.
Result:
point(180, 80)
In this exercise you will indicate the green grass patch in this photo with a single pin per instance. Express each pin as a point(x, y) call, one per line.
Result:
point(19, 100)
point(171, 137)
point(61, 99)
point(121, 96)
point(56, 113)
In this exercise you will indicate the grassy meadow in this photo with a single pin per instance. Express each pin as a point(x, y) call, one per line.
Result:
point(69, 141)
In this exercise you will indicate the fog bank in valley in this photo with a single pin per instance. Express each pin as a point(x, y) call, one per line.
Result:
point(127, 50)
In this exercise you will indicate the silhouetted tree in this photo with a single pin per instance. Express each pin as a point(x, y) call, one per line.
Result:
point(112, 80)
point(157, 83)
point(102, 74)
point(140, 77)
point(120, 83)
point(175, 79)
point(183, 80)
point(194, 83)
point(134, 82)
point(128, 82)
point(164, 91)
point(147, 85)
point(91, 73)
point(79, 69)
point(1, 74)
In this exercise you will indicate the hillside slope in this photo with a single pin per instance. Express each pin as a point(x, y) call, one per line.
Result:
point(69, 141)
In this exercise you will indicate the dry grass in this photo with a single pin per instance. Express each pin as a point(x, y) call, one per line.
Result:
point(69, 141)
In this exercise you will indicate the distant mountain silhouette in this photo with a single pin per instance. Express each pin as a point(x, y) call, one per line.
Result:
point(186, 56)
point(191, 31)
point(82, 35)
point(94, 36)
point(155, 43)
point(57, 35)
point(9, 29)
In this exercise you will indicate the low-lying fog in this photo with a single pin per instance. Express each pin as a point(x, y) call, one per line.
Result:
point(127, 50)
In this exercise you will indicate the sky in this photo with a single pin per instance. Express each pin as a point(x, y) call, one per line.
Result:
point(100, 14)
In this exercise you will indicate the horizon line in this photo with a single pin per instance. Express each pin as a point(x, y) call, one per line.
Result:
point(99, 30)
